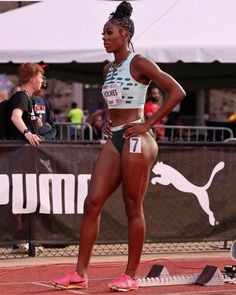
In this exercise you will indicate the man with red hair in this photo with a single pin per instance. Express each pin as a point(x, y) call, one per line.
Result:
point(22, 122)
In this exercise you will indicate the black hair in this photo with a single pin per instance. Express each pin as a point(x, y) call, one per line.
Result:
point(73, 104)
point(153, 86)
point(122, 17)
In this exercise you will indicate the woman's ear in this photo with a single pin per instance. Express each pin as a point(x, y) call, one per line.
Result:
point(125, 34)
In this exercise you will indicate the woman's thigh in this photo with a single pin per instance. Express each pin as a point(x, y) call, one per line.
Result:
point(106, 175)
point(138, 156)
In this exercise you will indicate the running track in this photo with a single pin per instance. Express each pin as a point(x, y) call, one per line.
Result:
point(36, 279)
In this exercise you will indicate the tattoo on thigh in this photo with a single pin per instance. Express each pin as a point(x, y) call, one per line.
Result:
point(135, 145)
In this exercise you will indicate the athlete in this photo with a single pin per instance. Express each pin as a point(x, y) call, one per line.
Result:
point(130, 150)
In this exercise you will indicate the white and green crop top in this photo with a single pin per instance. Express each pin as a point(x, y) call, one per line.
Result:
point(120, 90)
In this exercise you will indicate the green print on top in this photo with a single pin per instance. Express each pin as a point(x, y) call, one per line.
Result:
point(133, 92)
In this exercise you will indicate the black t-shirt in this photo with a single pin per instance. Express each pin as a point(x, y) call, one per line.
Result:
point(20, 100)
point(95, 135)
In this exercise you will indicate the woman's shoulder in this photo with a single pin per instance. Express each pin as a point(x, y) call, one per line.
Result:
point(143, 64)
point(140, 60)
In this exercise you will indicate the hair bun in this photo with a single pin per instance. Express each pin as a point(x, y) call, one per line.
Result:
point(124, 9)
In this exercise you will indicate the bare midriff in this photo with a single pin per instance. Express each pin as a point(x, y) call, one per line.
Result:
point(123, 116)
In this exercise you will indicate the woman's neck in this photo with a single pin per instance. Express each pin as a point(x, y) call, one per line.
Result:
point(121, 56)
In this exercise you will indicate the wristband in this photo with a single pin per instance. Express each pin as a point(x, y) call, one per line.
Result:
point(26, 131)
point(27, 134)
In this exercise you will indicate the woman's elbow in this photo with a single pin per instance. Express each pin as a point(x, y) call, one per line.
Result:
point(180, 93)
point(183, 94)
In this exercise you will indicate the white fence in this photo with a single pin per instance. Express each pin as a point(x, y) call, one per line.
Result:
point(172, 133)
point(178, 133)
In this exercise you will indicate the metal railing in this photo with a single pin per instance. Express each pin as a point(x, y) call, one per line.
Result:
point(181, 133)
point(67, 131)
point(72, 131)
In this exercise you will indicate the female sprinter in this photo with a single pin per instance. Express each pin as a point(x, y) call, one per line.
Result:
point(129, 153)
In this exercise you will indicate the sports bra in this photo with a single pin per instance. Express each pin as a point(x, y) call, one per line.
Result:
point(120, 90)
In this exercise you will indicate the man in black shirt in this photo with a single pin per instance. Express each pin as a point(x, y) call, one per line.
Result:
point(22, 122)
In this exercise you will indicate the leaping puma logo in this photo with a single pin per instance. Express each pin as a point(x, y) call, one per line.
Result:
point(166, 175)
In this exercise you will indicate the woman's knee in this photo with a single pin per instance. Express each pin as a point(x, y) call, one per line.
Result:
point(133, 208)
point(91, 207)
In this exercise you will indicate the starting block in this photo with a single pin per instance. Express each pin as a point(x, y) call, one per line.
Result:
point(159, 276)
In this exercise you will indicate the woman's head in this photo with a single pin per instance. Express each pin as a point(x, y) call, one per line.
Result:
point(119, 25)
point(96, 120)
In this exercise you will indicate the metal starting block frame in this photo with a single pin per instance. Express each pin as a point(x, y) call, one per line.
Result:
point(159, 276)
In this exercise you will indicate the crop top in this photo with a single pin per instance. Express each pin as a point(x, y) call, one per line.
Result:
point(120, 90)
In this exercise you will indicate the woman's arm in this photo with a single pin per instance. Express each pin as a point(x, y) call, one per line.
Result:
point(107, 127)
point(145, 70)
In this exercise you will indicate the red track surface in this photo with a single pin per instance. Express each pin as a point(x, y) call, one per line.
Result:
point(36, 279)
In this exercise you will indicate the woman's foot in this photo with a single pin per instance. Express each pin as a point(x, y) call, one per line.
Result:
point(71, 281)
point(124, 283)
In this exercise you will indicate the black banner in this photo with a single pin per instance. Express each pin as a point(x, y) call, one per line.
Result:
point(190, 195)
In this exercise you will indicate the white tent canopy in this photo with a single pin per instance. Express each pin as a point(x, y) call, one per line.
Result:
point(165, 31)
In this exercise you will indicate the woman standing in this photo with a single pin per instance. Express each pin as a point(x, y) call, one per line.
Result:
point(129, 153)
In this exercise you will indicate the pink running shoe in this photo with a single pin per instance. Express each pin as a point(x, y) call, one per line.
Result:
point(71, 281)
point(124, 283)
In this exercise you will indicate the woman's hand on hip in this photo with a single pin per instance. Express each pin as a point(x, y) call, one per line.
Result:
point(135, 129)
point(107, 129)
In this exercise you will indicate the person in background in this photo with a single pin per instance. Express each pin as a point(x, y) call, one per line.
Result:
point(75, 115)
point(129, 153)
point(21, 119)
point(43, 110)
point(96, 123)
point(22, 124)
point(3, 95)
point(15, 89)
point(151, 106)
point(3, 121)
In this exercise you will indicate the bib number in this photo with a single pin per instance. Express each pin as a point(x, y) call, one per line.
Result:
point(112, 93)
point(135, 145)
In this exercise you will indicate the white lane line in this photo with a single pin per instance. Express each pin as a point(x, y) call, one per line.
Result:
point(50, 286)
point(15, 283)
point(217, 292)
point(29, 282)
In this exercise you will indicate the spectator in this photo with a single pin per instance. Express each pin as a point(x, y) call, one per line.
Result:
point(15, 89)
point(75, 116)
point(3, 122)
point(22, 124)
point(152, 105)
point(3, 95)
point(58, 116)
point(96, 123)
point(43, 110)
point(21, 119)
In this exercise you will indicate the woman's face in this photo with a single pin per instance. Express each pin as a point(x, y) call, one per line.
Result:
point(113, 37)
point(98, 122)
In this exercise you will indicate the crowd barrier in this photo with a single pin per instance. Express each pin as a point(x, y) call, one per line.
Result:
point(189, 197)
point(72, 131)
point(67, 131)
point(175, 133)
